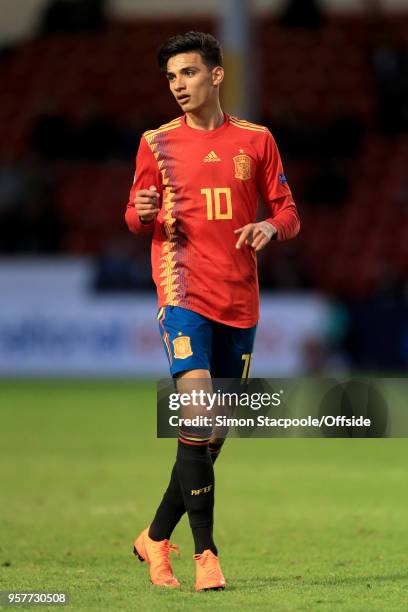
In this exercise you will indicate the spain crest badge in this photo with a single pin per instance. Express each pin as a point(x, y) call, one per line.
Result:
point(182, 347)
point(242, 166)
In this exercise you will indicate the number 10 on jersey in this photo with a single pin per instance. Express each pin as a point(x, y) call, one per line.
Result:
point(213, 197)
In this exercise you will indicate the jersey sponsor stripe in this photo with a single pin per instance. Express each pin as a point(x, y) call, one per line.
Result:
point(247, 127)
point(172, 121)
point(164, 125)
point(242, 122)
point(170, 127)
point(155, 132)
point(151, 133)
point(249, 123)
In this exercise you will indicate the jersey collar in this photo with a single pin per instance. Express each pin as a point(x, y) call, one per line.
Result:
point(196, 133)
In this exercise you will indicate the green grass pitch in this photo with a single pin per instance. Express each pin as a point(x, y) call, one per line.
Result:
point(300, 524)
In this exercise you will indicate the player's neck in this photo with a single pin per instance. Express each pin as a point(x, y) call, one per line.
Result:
point(206, 119)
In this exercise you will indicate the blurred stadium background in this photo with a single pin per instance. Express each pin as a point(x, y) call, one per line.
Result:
point(79, 84)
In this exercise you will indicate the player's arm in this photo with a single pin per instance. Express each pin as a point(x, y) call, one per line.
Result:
point(283, 222)
point(145, 194)
point(275, 191)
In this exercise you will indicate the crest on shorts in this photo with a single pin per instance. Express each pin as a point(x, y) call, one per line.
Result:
point(182, 347)
point(242, 166)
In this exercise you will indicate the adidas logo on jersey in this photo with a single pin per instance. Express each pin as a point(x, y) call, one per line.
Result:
point(211, 157)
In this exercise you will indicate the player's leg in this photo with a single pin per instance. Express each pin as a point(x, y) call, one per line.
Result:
point(172, 506)
point(194, 466)
point(232, 352)
point(196, 476)
point(187, 340)
point(187, 337)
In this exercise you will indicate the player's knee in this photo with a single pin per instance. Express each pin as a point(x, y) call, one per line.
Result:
point(197, 374)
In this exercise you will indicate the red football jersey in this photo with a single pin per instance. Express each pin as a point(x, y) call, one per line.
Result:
point(209, 183)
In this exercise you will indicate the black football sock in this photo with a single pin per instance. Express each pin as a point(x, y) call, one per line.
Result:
point(169, 512)
point(196, 476)
point(203, 540)
point(215, 448)
point(172, 508)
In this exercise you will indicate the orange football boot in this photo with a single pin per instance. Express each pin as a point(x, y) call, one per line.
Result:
point(208, 572)
point(156, 555)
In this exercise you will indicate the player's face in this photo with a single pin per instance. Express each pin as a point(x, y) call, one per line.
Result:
point(192, 83)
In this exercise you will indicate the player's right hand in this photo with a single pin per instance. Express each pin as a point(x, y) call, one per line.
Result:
point(147, 203)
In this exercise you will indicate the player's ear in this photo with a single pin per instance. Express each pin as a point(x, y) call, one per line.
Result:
point(217, 75)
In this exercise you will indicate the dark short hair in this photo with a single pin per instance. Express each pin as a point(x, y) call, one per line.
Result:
point(205, 44)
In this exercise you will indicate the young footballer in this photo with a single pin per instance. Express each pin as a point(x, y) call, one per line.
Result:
point(196, 189)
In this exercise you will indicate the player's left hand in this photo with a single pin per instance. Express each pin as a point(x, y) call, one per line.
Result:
point(255, 235)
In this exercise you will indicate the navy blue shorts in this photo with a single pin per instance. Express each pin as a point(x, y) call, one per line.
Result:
point(194, 342)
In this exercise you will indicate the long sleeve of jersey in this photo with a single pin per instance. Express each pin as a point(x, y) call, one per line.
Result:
point(276, 193)
point(147, 174)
